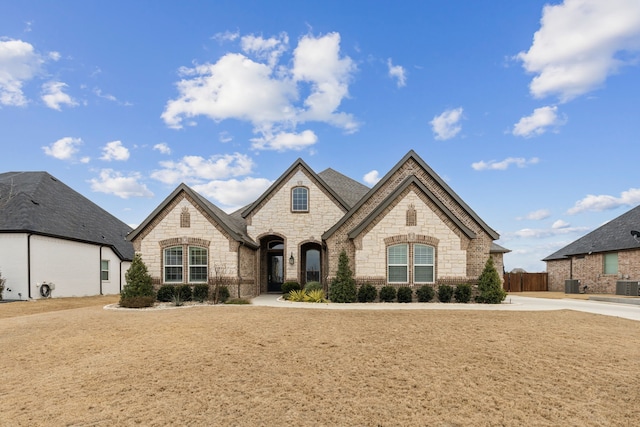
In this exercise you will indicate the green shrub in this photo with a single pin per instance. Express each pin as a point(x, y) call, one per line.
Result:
point(387, 293)
point(343, 287)
point(177, 299)
point(223, 294)
point(490, 285)
point(425, 293)
point(238, 301)
point(445, 293)
point(185, 292)
point(201, 292)
point(405, 294)
point(290, 286)
point(367, 293)
point(165, 293)
point(463, 293)
point(313, 286)
point(138, 292)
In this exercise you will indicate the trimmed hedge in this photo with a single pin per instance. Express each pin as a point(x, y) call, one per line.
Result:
point(405, 294)
point(425, 293)
point(367, 293)
point(445, 293)
point(387, 294)
point(463, 293)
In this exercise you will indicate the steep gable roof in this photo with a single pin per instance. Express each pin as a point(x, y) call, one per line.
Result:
point(412, 155)
point(615, 235)
point(38, 203)
point(232, 225)
point(296, 165)
point(349, 189)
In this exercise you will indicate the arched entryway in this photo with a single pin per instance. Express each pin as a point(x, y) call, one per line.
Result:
point(272, 268)
point(310, 263)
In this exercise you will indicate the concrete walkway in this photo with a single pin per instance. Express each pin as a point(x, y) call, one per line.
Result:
point(512, 303)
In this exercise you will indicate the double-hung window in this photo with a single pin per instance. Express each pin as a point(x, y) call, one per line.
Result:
point(197, 264)
point(300, 199)
point(423, 264)
point(173, 264)
point(397, 263)
point(104, 270)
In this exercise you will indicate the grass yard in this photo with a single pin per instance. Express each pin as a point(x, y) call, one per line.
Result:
point(69, 362)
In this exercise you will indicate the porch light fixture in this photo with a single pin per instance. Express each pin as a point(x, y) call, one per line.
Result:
point(291, 259)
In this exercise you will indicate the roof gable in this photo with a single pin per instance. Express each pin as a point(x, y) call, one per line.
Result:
point(231, 225)
point(412, 156)
point(36, 202)
point(615, 235)
point(297, 165)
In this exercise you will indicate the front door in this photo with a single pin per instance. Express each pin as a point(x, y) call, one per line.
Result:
point(275, 271)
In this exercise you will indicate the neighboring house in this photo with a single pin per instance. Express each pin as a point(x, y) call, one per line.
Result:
point(600, 259)
point(409, 229)
point(50, 234)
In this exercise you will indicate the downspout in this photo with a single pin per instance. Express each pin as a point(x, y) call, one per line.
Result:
point(29, 265)
point(120, 276)
point(238, 268)
point(100, 270)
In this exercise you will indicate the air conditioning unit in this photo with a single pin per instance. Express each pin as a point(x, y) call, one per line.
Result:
point(627, 287)
point(572, 286)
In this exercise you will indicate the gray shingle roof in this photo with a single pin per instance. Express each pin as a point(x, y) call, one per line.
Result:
point(615, 235)
point(351, 191)
point(41, 204)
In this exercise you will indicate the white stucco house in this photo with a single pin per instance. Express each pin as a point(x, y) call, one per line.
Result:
point(410, 229)
point(54, 242)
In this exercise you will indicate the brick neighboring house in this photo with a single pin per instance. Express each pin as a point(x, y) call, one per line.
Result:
point(409, 229)
point(599, 259)
point(50, 234)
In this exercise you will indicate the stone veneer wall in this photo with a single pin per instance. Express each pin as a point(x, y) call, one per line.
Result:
point(589, 270)
point(274, 217)
point(477, 251)
point(165, 231)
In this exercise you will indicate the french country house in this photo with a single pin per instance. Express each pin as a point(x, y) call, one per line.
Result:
point(410, 229)
point(54, 242)
point(607, 260)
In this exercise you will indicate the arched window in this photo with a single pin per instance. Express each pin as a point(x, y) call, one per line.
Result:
point(423, 264)
point(173, 264)
point(397, 263)
point(300, 199)
point(198, 263)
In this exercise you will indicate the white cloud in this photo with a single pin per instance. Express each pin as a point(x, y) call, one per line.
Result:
point(504, 164)
point(226, 36)
point(54, 96)
point(258, 90)
point(537, 215)
point(114, 150)
point(397, 72)
point(631, 197)
point(578, 45)
point(54, 56)
point(113, 182)
point(560, 224)
point(284, 141)
point(233, 194)
point(163, 147)
point(64, 148)
point(538, 122)
point(225, 137)
point(19, 63)
point(372, 177)
point(539, 233)
point(196, 169)
point(447, 125)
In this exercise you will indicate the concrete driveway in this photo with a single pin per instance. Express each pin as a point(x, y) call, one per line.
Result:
point(512, 303)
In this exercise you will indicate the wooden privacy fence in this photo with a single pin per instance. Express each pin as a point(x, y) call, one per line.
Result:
point(526, 282)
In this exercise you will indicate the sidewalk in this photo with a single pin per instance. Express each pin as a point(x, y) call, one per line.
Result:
point(512, 303)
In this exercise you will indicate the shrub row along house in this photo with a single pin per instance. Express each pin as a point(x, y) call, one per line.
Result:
point(410, 229)
point(55, 242)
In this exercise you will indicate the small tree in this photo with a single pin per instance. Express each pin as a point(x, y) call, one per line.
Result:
point(138, 292)
point(343, 286)
point(490, 285)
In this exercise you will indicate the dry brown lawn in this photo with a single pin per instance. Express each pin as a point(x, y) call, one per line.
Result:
point(67, 364)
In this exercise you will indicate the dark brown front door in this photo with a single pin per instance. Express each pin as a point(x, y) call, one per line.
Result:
point(275, 271)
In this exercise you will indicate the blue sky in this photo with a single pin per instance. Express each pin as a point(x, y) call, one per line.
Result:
point(528, 109)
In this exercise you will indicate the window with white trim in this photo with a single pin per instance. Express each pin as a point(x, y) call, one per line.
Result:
point(104, 270)
point(423, 264)
point(173, 264)
point(610, 263)
point(198, 271)
point(300, 199)
point(397, 263)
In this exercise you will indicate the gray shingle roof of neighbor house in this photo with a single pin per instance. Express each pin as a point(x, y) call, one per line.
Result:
point(38, 203)
point(615, 235)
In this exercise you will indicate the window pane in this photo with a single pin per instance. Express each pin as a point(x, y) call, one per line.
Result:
point(173, 256)
point(173, 264)
point(197, 264)
point(423, 274)
point(611, 263)
point(198, 274)
point(397, 274)
point(423, 255)
point(398, 254)
point(173, 274)
point(299, 199)
point(197, 256)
